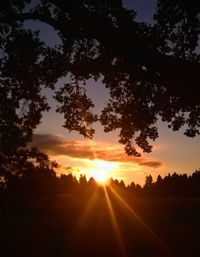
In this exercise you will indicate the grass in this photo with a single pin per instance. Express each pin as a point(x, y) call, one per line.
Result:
point(73, 226)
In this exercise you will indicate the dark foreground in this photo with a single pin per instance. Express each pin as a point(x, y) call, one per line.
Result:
point(101, 223)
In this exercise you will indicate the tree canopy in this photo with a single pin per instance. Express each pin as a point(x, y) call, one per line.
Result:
point(151, 70)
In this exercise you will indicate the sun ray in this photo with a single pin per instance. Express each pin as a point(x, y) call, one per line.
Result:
point(139, 220)
point(84, 217)
point(114, 223)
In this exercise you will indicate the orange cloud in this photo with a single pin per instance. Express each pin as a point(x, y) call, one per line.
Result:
point(56, 145)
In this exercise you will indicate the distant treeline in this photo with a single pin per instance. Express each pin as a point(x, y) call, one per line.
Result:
point(44, 182)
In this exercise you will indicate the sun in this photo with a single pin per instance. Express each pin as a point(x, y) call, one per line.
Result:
point(102, 171)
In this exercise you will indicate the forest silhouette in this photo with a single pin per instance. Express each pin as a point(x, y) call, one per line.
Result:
point(43, 214)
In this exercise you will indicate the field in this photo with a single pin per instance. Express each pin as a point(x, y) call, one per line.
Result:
point(102, 224)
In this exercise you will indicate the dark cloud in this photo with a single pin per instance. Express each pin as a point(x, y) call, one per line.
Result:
point(152, 164)
point(69, 168)
point(56, 145)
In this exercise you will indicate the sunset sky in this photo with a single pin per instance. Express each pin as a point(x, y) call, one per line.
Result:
point(172, 152)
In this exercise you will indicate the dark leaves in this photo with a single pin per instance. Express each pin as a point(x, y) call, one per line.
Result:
point(76, 107)
point(151, 71)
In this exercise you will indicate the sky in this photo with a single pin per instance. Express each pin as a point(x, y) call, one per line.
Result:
point(103, 156)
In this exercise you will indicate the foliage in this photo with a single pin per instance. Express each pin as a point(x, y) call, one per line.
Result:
point(27, 173)
point(151, 71)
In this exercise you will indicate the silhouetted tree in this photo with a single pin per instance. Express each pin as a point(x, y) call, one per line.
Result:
point(151, 71)
point(148, 181)
point(132, 186)
point(82, 180)
point(122, 184)
point(28, 174)
point(159, 180)
point(195, 183)
point(68, 183)
point(92, 183)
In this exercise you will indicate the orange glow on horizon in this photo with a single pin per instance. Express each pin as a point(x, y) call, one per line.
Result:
point(101, 170)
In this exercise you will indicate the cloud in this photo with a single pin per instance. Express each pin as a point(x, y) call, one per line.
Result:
point(69, 168)
point(56, 145)
point(152, 164)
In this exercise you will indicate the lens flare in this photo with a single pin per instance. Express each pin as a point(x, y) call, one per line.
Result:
point(100, 170)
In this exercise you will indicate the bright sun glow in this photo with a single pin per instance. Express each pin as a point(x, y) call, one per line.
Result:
point(101, 171)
